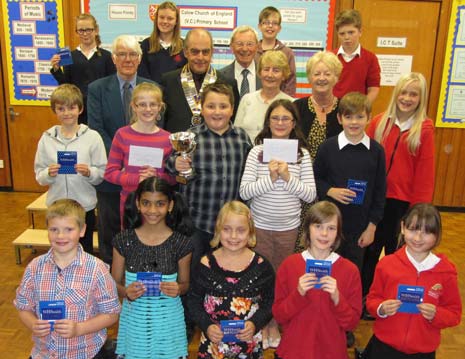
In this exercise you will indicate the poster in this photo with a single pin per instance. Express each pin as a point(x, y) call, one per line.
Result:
point(451, 107)
point(33, 32)
point(306, 27)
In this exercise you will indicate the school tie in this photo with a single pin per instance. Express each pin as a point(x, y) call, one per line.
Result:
point(127, 101)
point(245, 83)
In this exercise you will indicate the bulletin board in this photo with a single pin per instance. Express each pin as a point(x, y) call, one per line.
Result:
point(33, 32)
point(307, 26)
point(451, 108)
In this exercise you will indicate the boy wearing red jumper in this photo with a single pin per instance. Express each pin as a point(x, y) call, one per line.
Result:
point(361, 71)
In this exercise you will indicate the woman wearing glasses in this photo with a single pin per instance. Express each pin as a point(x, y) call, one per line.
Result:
point(140, 149)
point(162, 51)
point(275, 188)
point(90, 62)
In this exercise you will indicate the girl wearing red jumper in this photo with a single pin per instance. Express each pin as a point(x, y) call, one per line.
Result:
point(314, 321)
point(407, 135)
point(399, 335)
point(147, 105)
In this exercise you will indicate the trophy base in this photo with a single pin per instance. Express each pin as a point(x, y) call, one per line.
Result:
point(181, 179)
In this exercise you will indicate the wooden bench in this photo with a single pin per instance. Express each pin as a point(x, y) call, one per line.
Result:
point(38, 205)
point(32, 238)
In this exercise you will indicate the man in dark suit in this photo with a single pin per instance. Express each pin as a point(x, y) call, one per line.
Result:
point(243, 70)
point(107, 111)
point(183, 87)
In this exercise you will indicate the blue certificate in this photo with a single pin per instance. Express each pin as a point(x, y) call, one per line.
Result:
point(359, 187)
point(52, 310)
point(230, 328)
point(67, 160)
point(65, 56)
point(151, 281)
point(320, 268)
point(410, 296)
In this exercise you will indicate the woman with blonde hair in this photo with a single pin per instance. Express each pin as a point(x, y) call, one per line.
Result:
point(273, 69)
point(163, 50)
point(407, 135)
point(90, 62)
point(318, 112)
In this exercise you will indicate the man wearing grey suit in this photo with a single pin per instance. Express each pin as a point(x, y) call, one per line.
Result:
point(106, 113)
point(244, 45)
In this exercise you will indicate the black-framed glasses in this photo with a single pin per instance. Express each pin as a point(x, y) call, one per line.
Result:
point(270, 23)
point(85, 31)
point(195, 52)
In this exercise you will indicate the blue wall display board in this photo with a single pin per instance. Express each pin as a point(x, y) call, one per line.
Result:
point(307, 26)
point(33, 32)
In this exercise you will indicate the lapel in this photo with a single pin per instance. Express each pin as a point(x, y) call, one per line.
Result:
point(115, 104)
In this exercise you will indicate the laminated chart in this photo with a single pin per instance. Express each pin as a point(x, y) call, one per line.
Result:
point(33, 32)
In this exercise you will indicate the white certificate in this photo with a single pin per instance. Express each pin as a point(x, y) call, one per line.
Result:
point(145, 156)
point(283, 150)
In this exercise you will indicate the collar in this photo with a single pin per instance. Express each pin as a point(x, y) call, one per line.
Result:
point(406, 125)
point(343, 141)
point(91, 52)
point(133, 82)
point(333, 257)
point(238, 69)
point(77, 261)
point(357, 52)
point(428, 263)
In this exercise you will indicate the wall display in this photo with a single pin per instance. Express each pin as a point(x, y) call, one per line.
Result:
point(33, 33)
point(307, 26)
point(451, 107)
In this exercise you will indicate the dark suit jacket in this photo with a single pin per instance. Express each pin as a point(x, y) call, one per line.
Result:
point(178, 114)
point(105, 111)
point(228, 72)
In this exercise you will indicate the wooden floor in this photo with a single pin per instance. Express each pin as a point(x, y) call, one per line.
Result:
point(15, 340)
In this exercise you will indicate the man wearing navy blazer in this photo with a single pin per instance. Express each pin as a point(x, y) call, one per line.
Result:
point(244, 45)
point(182, 88)
point(106, 114)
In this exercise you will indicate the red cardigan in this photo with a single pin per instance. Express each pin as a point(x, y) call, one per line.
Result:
point(411, 177)
point(313, 327)
point(412, 333)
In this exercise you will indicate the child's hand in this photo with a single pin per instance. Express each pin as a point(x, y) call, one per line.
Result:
point(53, 169)
point(306, 282)
point(343, 195)
point(273, 167)
point(82, 169)
point(368, 236)
point(329, 285)
point(389, 307)
point(135, 290)
point(283, 171)
point(182, 164)
point(214, 333)
point(66, 328)
point(171, 289)
point(146, 172)
point(55, 61)
point(41, 328)
point(427, 310)
point(247, 333)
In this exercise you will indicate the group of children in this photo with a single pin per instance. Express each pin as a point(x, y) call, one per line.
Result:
point(67, 298)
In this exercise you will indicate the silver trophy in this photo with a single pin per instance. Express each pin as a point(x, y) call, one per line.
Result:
point(184, 144)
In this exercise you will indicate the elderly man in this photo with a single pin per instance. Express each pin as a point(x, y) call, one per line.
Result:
point(244, 45)
point(183, 87)
point(108, 109)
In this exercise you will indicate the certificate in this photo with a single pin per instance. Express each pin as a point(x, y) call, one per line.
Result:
point(282, 150)
point(145, 156)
